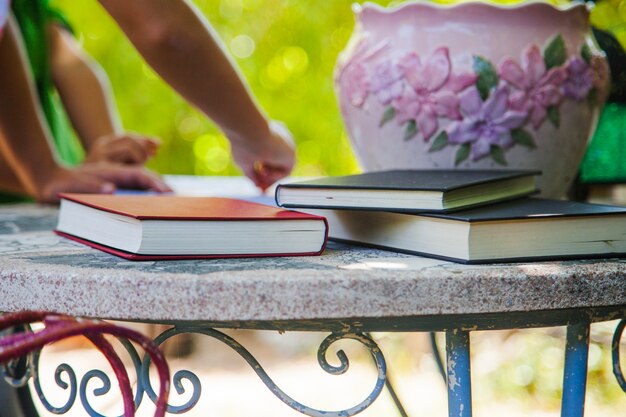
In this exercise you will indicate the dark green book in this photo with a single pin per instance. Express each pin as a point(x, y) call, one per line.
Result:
point(408, 190)
point(521, 230)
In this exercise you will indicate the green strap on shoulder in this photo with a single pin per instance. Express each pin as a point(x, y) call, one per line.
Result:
point(56, 16)
point(33, 17)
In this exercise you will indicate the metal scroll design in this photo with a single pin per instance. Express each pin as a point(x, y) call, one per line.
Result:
point(65, 377)
point(17, 372)
point(342, 368)
point(617, 367)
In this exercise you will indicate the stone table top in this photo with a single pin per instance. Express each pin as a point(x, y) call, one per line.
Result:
point(346, 287)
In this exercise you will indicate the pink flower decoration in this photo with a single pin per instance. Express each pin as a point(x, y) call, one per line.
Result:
point(387, 82)
point(485, 123)
point(538, 88)
point(356, 84)
point(580, 80)
point(355, 76)
point(433, 92)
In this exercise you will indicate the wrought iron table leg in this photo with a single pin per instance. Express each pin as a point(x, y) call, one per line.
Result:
point(459, 374)
point(617, 367)
point(434, 346)
point(575, 372)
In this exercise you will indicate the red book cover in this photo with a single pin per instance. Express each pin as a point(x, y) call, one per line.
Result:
point(167, 207)
point(175, 208)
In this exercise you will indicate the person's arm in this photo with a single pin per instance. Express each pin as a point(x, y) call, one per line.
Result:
point(21, 120)
point(25, 139)
point(86, 94)
point(83, 88)
point(178, 42)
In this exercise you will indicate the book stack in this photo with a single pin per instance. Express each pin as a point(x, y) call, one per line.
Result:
point(462, 216)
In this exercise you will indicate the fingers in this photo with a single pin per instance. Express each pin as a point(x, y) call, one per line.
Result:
point(90, 185)
point(146, 145)
point(150, 145)
point(99, 178)
point(130, 149)
point(126, 151)
point(74, 183)
point(129, 177)
point(265, 175)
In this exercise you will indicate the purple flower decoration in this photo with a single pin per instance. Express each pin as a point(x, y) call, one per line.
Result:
point(432, 93)
point(387, 82)
point(538, 88)
point(580, 80)
point(485, 123)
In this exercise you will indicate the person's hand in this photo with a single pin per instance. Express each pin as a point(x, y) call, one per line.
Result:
point(267, 159)
point(126, 148)
point(101, 178)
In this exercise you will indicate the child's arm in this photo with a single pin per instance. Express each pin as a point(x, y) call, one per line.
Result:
point(181, 46)
point(23, 134)
point(86, 94)
point(25, 143)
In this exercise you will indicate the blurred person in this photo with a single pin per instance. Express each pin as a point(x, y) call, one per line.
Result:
point(72, 85)
point(180, 45)
point(28, 164)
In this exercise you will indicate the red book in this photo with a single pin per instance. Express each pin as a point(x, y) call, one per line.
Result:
point(144, 228)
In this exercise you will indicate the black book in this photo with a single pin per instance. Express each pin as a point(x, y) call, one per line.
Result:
point(408, 190)
point(514, 231)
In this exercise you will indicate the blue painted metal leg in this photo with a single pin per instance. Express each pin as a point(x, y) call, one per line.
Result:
point(575, 374)
point(459, 374)
point(617, 365)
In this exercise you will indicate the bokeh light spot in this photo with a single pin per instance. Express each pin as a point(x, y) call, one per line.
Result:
point(212, 152)
point(242, 46)
point(295, 59)
point(189, 128)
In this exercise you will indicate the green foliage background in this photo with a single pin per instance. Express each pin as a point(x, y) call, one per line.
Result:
point(287, 51)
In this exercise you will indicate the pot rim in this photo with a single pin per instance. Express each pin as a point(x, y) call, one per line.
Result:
point(532, 4)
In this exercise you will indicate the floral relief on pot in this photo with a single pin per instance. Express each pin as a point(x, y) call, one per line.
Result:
point(473, 86)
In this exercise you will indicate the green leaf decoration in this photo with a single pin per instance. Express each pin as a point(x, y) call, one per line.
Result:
point(462, 154)
point(586, 54)
point(441, 141)
point(411, 130)
point(554, 116)
point(555, 54)
point(497, 154)
point(522, 137)
point(487, 76)
point(389, 114)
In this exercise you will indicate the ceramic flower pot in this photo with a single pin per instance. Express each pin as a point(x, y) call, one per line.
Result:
point(473, 86)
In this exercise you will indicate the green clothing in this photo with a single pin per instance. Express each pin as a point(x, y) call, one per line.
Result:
point(33, 17)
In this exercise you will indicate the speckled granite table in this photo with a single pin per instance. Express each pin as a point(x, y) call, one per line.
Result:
point(347, 290)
